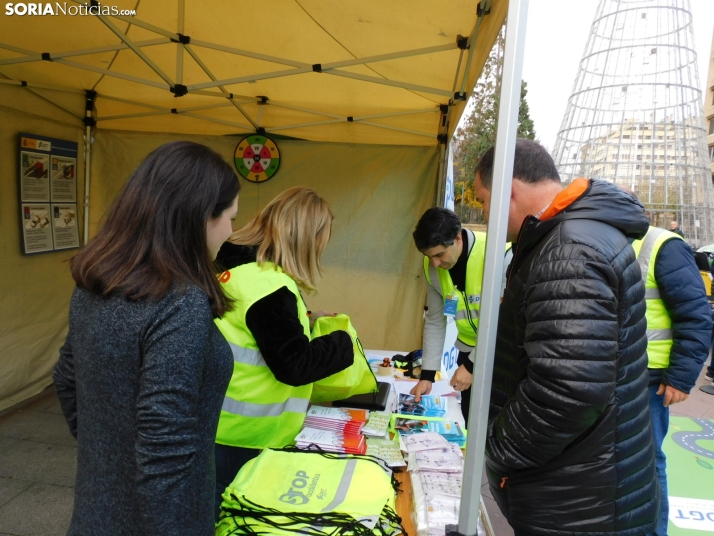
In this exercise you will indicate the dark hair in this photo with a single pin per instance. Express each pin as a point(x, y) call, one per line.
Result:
point(154, 235)
point(436, 227)
point(532, 164)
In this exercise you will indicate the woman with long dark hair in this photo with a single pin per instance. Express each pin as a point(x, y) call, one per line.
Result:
point(144, 370)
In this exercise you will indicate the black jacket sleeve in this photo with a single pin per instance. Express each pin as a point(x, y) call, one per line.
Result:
point(291, 356)
point(682, 291)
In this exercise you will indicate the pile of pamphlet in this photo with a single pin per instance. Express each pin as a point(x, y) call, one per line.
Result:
point(428, 406)
point(437, 469)
point(449, 430)
point(334, 430)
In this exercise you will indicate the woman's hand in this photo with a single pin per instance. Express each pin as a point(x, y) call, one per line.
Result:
point(318, 314)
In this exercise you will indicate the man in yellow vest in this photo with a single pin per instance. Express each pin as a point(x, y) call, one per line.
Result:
point(679, 327)
point(453, 267)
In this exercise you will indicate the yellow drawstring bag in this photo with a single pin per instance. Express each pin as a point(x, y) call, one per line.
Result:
point(357, 379)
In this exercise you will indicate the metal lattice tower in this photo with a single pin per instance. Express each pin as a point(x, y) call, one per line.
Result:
point(635, 116)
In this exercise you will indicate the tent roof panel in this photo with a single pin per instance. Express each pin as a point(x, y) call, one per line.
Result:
point(271, 50)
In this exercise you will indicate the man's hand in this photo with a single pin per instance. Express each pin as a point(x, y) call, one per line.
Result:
point(461, 380)
point(671, 395)
point(318, 314)
point(423, 387)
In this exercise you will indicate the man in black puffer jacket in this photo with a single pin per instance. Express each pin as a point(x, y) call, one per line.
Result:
point(569, 449)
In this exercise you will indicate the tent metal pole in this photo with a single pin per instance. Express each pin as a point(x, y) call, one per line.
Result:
point(249, 54)
point(12, 82)
point(179, 45)
point(391, 56)
point(493, 266)
point(87, 179)
point(472, 43)
point(109, 24)
point(441, 176)
point(88, 124)
point(223, 90)
point(432, 110)
point(393, 83)
point(250, 78)
point(398, 129)
point(56, 104)
point(83, 52)
point(115, 74)
point(301, 125)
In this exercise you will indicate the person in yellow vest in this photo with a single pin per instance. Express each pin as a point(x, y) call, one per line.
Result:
point(453, 267)
point(679, 327)
point(271, 260)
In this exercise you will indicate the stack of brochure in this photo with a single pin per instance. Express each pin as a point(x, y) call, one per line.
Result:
point(331, 441)
point(377, 425)
point(449, 430)
point(334, 430)
point(347, 421)
point(428, 406)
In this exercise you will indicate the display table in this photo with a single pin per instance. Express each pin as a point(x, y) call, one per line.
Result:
point(404, 502)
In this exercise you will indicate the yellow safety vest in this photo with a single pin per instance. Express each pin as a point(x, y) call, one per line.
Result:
point(659, 323)
point(469, 299)
point(258, 411)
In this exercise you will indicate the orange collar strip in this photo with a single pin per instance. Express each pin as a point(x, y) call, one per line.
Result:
point(565, 198)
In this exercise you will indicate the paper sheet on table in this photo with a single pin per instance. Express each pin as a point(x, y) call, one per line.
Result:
point(439, 388)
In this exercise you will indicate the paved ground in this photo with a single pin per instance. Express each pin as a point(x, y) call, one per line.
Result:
point(38, 462)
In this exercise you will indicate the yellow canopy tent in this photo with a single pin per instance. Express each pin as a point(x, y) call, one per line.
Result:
point(361, 97)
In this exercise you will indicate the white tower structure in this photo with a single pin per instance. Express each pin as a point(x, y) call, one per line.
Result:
point(635, 116)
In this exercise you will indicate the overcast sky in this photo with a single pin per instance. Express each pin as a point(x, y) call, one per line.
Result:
point(555, 40)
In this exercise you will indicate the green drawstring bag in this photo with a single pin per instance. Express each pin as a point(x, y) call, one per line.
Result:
point(357, 379)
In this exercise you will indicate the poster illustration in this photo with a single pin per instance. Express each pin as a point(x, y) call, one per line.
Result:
point(64, 226)
point(64, 182)
point(37, 228)
point(34, 176)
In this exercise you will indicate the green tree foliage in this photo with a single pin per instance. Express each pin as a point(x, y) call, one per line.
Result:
point(478, 132)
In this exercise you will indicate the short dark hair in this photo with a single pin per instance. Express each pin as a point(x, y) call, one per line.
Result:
point(436, 227)
point(532, 164)
point(154, 235)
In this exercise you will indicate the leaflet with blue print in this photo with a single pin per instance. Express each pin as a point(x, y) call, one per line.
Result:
point(428, 406)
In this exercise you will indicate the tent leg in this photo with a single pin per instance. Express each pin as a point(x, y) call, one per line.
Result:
point(441, 177)
point(493, 267)
point(89, 122)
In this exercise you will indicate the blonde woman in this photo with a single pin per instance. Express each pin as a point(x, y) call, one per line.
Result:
point(270, 261)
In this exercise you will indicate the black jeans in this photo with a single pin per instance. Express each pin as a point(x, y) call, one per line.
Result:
point(229, 460)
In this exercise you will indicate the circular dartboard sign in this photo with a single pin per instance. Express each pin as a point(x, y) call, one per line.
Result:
point(257, 158)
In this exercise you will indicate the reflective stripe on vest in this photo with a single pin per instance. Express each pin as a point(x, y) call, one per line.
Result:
point(258, 410)
point(247, 356)
point(470, 307)
point(236, 407)
point(659, 323)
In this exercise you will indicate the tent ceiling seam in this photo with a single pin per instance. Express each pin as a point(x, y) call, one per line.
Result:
point(136, 50)
point(55, 104)
point(208, 72)
point(348, 50)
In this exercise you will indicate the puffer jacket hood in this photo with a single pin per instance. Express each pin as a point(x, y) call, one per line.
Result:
point(602, 201)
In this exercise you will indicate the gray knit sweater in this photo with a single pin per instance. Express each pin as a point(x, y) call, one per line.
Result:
point(141, 385)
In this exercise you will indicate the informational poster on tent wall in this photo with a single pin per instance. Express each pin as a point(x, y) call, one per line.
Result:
point(48, 194)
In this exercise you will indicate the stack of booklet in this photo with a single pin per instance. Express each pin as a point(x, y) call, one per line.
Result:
point(348, 421)
point(334, 430)
point(428, 406)
point(449, 430)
